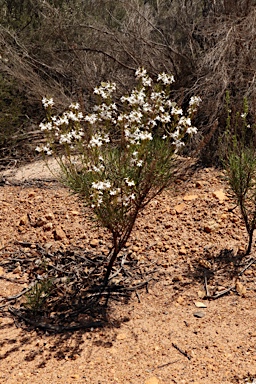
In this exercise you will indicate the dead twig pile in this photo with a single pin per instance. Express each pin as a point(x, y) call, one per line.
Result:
point(65, 289)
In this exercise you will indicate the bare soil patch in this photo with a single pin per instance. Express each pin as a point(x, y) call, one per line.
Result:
point(166, 332)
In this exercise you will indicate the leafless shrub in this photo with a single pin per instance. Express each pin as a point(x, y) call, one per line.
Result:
point(64, 49)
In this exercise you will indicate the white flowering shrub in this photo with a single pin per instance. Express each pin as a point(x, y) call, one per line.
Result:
point(120, 156)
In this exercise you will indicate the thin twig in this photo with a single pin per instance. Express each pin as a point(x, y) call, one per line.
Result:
point(14, 297)
point(252, 261)
point(184, 353)
point(163, 365)
point(12, 280)
point(222, 293)
point(206, 285)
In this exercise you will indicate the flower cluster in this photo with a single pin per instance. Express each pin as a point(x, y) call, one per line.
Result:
point(119, 148)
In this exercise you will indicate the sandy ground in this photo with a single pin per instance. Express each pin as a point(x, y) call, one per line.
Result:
point(170, 334)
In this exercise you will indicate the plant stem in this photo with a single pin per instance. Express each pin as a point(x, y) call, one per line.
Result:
point(249, 248)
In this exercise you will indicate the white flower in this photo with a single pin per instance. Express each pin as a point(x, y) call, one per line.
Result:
point(156, 96)
point(146, 107)
point(191, 130)
point(101, 185)
point(176, 111)
point(46, 126)
point(65, 138)
point(47, 102)
point(105, 90)
point(145, 136)
point(74, 106)
point(45, 148)
point(146, 81)
point(129, 182)
point(185, 121)
point(72, 116)
point(91, 118)
point(195, 101)
point(141, 72)
point(243, 115)
point(164, 118)
point(178, 144)
point(97, 140)
point(136, 97)
point(63, 120)
point(139, 163)
point(165, 78)
point(175, 134)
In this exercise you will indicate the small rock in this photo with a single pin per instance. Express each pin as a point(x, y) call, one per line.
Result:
point(182, 251)
point(47, 246)
point(199, 184)
point(49, 216)
point(1, 271)
point(17, 270)
point(94, 243)
point(201, 294)
point(59, 234)
point(121, 336)
point(180, 208)
point(223, 217)
point(199, 304)
point(152, 380)
point(199, 314)
point(177, 278)
point(220, 194)
point(190, 197)
point(240, 288)
point(24, 220)
point(48, 226)
point(211, 227)
point(180, 300)
point(75, 213)
point(40, 222)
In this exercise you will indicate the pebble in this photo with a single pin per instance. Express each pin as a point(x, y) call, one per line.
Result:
point(152, 380)
point(211, 227)
point(48, 226)
point(121, 336)
point(94, 243)
point(180, 208)
point(199, 314)
point(17, 270)
point(220, 194)
point(201, 294)
point(23, 220)
point(49, 216)
point(59, 234)
point(182, 251)
point(240, 288)
point(190, 197)
point(199, 304)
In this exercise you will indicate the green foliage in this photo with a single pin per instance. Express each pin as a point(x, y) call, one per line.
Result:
point(240, 163)
point(37, 296)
